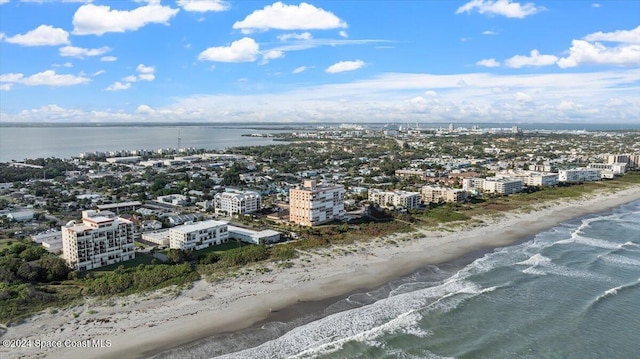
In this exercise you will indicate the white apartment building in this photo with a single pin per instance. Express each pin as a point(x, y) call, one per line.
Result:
point(472, 184)
point(436, 194)
point(579, 175)
point(314, 204)
point(408, 173)
point(505, 186)
point(198, 235)
point(237, 202)
point(97, 242)
point(395, 199)
point(532, 178)
point(617, 168)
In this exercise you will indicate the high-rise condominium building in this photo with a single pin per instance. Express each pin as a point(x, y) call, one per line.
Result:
point(314, 204)
point(97, 242)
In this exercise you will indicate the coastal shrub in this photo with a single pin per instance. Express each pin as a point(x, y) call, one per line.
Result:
point(141, 278)
point(282, 251)
point(244, 255)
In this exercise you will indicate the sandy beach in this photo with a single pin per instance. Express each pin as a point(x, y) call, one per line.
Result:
point(137, 326)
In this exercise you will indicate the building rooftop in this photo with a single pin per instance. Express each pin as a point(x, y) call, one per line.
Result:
point(187, 228)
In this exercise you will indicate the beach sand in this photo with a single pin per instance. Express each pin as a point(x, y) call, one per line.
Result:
point(140, 325)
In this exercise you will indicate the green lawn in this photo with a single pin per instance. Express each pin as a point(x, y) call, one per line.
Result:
point(221, 248)
point(141, 258)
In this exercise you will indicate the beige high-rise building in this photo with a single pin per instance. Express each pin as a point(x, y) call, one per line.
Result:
point(435, 194)
point(97, 242)
point(314, 204)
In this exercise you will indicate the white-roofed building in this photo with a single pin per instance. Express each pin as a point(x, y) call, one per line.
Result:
point(236, 202)
point(198, 235)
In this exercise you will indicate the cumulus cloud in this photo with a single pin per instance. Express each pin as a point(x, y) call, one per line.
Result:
point(343, 33)
point(43, 35)
point(270, 55)
point(45, 78)
point(6, 87)
point(108, 58)
point(100, 19)
point(118, 86)
point(146, 73)
point(4, 1)
point(488, 63)
point(289, 17)
point(624, 36)
point(295, 36)
point(243, 50)
point(489, 32)
point(343, 66)
point(585, 53)
point(534, 59)
point(506, 8)
point(203, 5)
point(72, 51)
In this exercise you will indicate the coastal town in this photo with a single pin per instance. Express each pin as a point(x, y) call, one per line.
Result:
point(86, 220)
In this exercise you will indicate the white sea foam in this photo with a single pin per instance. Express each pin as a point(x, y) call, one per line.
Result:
point(620, 260)
point(615, 290)
point(536, 260)
point(400, 313)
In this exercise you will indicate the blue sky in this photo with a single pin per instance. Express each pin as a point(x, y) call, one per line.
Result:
point(341, 61)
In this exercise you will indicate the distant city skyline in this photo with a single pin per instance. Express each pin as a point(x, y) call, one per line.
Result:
point(319, 61)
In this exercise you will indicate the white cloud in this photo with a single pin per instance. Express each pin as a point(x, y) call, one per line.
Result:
point(596, 5)
point(489, 32)
point(130, 78)
point(98, 73)
point(98, 19)
point(567, 105)
point(146, 73)
point(585, 53)
point(343, 66)
point(500, 7)
point(431, 93)
point(343, 33)
point(118, 86)
point(298, 70)
point(4, 1)
point(145, 109)
point(43, 35)
point(66, 64)
point(295, 36)
point(72, 51)
point(5, 87)
point(45, 78)
point(289, 17)
point(270, 55)
point(522, 97)
point(600, 95)
point(488, 63)
point(535, 59)
point(625, 36)
point(108, 58)
point(203, 5)
point(243, 50)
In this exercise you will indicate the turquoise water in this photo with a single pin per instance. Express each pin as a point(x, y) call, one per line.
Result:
point(570, 292)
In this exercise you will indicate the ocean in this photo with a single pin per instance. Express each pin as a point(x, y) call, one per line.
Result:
point(569, 292)
point(22, 142)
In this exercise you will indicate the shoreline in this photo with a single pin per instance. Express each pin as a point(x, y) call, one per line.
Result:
point(149, 324)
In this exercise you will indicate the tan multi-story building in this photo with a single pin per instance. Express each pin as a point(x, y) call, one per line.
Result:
point(97, 242)
point(436, 194)
point(395, 199)
point(314, 204)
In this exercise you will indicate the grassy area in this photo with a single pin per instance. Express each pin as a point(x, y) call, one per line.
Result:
point(141, 258)
point(221, 248)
